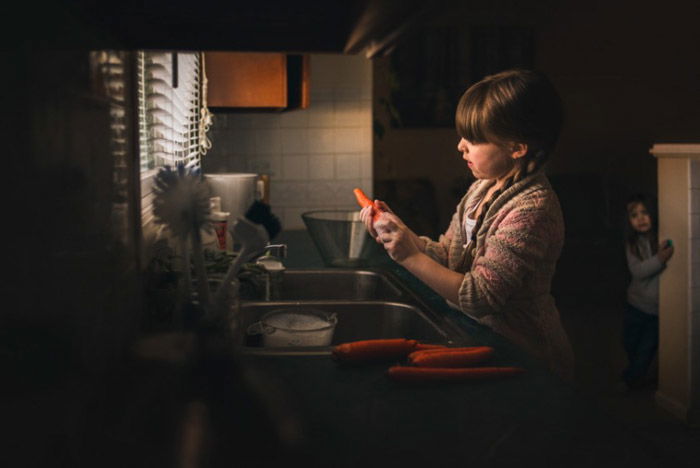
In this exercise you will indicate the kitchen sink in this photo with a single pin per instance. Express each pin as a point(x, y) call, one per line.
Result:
point(368, 305)
point(357, 320)
point(338, 284)
point(358, 285)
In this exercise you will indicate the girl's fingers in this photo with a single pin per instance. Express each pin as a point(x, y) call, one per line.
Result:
point(366, 215)
point(383, 206)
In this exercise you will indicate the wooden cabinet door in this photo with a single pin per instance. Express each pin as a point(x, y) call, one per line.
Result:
point(242, 79)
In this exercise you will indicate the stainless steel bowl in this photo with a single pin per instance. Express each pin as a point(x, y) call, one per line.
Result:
point(341, 238)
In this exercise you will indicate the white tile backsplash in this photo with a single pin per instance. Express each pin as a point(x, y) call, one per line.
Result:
point(314, 156)
point(288, 193)
point(322, 114)
point(295, 168)
point(348, 166)
point(342, 195)
point(349, 92)
point(349, 140)
point(291, 217)
point(235, 121)
point(321, 167)
point(294, 119)
point(320, 192)
point(265, 164)
point(320, 93)
point(322, 140)
point(366, 167)
point(294, 140)
point(268, 141)
point(348, 113)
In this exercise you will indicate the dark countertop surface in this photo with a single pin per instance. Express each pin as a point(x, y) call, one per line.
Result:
point(196, 403)
point(357, 416)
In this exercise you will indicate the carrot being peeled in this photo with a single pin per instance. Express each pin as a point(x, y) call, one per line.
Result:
point(373, 350)
point(442, 374)
point(451, 357)
point(363, 200)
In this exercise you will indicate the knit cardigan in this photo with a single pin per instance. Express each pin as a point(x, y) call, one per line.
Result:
point(507, 282)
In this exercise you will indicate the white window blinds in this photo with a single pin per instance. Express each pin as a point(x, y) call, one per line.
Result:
point(173, 118)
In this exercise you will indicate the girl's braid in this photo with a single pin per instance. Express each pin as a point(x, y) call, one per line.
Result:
point(480, 220)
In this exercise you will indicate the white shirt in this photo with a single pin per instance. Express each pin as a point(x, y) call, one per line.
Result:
point(469, 224)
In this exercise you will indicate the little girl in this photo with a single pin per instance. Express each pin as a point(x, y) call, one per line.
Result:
point(646, 259)
point(496, 260)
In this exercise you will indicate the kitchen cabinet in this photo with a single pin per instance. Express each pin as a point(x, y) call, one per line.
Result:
point(273, 81)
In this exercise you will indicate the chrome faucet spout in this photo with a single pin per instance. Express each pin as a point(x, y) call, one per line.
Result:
point(271, 262)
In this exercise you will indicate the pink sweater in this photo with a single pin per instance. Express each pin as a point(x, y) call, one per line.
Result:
point(507, 284)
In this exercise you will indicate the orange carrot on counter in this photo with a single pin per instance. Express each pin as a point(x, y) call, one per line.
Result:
point(363, 200)
point(442, 374)
point(373, 350)
point(451, 357)
point(441, 348)
point(427, 346)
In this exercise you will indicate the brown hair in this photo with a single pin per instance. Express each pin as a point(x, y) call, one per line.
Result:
point(513, 106)
point(632, 237)
point(520, 106)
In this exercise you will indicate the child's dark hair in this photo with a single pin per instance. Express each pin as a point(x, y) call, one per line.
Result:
point(516, 106)
point(632, 237)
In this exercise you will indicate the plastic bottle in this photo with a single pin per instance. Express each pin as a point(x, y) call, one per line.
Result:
point(219, 220)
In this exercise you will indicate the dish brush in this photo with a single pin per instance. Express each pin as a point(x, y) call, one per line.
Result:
point(181, 202)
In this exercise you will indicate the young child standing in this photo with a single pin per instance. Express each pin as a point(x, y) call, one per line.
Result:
point(496, 260)
point(646, 259)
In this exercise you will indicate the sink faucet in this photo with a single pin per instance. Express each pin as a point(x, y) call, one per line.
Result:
point(271, 262)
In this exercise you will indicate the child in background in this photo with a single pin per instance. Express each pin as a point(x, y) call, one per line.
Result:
point(496, 260)
point(646, 259)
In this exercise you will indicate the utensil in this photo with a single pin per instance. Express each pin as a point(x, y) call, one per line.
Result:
point(341, 238)
point(283, 327)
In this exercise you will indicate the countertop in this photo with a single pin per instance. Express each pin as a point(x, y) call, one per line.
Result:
point(196, 403)
point(356, 416)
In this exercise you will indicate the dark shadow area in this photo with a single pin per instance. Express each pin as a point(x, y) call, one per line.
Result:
point(413, 200)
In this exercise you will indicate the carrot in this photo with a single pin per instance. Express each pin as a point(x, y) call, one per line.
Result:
point(426, 346)
point(441, 349)
point(442, 374)
point(451, 357)
point(363, 200)
point(373, 350)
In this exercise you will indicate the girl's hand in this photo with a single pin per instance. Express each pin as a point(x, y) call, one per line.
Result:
point(665, 251)
point(398, 240)
point(367, 216)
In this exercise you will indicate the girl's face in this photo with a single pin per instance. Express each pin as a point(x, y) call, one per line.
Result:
point(639, 217)
point(488, 160)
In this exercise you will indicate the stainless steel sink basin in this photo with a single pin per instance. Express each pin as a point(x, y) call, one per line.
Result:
point(338, 284)
point(357, 320)
point(368, 304)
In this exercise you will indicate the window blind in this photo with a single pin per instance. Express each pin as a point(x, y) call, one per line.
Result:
point(173, 118)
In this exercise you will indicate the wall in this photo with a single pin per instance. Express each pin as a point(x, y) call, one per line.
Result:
point(624, 73)
point(314, 156)
point(625, 76)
